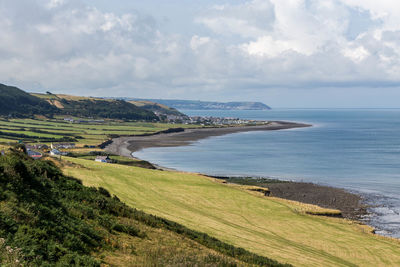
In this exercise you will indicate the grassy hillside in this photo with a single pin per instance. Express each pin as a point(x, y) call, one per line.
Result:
point(17, 103)
point(156, 107)
point(97, 107)
point(48, 219)
point(270, 227)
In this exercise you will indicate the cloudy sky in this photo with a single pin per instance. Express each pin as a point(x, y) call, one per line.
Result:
point(286, 53)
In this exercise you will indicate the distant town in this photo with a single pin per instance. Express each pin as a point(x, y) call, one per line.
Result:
point(183, 119)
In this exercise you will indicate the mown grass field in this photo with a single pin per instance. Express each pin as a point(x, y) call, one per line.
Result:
point(46, 130)
point(271, 227)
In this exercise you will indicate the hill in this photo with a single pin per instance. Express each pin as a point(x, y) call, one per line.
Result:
point(49, 219)
point(97, 107)
point(17, 103)
point(206, 105)
point(268, 226)
point(157, 108)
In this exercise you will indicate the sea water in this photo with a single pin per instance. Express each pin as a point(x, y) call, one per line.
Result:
point(354, 149)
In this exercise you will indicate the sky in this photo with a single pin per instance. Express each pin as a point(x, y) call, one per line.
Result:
point(285, 53)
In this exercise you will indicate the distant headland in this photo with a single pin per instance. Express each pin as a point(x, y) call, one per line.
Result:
point(209, 105)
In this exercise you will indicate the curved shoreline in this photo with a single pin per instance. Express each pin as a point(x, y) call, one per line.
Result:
point(126, 145)
point(349, 203)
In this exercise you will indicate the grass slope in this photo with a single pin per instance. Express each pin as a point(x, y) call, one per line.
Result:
point(48, 219)
point(97, 107)
point(156, 107)
point(269, 227)
point(16, 102)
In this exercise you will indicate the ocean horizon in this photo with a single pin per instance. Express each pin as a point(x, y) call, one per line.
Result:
point(354, 149)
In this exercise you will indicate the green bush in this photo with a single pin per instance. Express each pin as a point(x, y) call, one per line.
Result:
point(53, 219)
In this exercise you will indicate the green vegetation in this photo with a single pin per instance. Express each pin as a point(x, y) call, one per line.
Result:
point(49, 219)
point(41, 213)
point(16, 103)
point(271, 227)
point(156, 107)
point(91, 155)
point(84, 133)
point(90, 107)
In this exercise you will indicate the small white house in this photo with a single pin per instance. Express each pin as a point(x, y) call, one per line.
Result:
point(56, 152)
point(104, 159)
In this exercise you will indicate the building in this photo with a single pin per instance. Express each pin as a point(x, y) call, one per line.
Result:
point(36, 146)
point(41, 146)
point(56, 152)
point(104, 159)
point(34, 154)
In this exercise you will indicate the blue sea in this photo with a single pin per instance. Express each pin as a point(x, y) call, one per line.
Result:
point(355, 149)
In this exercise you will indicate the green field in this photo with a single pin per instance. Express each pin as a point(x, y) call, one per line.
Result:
point(54, 130)
point(270, 227)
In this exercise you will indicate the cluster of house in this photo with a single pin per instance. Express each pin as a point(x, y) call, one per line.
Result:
point(219, 121)
point(209, 120)
point(37, 146)
point(31, 150)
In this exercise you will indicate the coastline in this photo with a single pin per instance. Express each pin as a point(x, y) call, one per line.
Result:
point(126, 145)
point(350, 204)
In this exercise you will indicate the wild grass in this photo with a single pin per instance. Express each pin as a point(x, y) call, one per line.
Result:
point(267, 226)
point(11, 256)
point(162, 248)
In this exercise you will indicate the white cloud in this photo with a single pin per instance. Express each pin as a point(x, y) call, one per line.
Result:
point(197, 41)
point(67, 46)
point(356, 54)
point(55, 3)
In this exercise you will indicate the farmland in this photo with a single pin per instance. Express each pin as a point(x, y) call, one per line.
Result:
point(83, 133)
